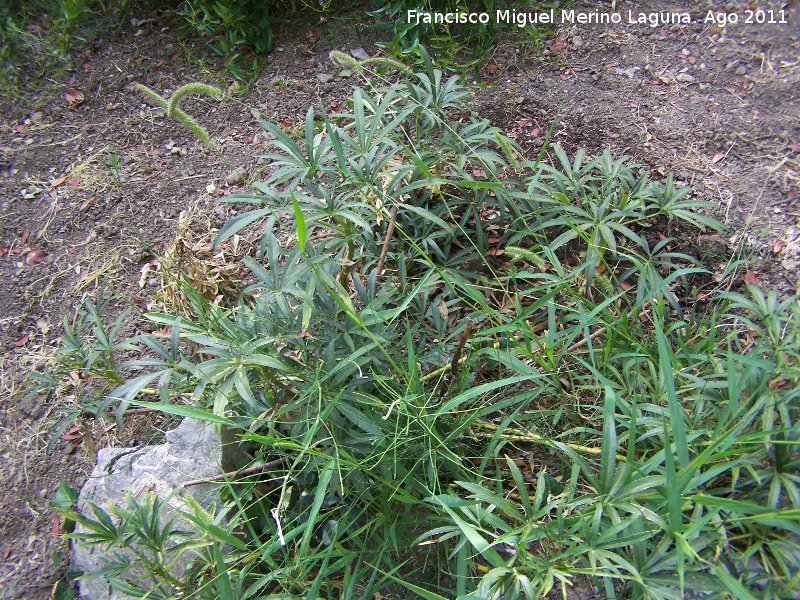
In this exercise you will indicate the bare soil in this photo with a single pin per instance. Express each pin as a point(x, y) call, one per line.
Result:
point(92, 192)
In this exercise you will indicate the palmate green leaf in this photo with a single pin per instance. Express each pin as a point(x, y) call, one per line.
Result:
point(134, 591)
point(236, 224)
point(66, 497)
point(676, 410)
point(185, 411)
point(319, 496)
point(223, 578)
point(426, 214)
point(478, 542)
point(482, 494)
point(608, 456)
point(427, 594)
point(300, 222)
point(733, 585)
point(334, 134)
point(468, 395)
point(129, 390)
point(522, 488)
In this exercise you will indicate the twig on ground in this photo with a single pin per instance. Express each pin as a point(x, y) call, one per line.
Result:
point(389, 232)
point(239, 473)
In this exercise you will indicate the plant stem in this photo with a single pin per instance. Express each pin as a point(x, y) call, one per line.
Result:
point(239, 473)
point(387, 239)
point(517, 435)
point(455, 363)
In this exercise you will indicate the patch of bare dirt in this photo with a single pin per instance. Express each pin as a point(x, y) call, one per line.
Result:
point(91, 188)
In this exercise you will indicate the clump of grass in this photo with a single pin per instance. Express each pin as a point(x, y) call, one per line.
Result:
point(566, 413)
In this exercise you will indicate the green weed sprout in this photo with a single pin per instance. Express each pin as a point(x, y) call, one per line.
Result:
point(175, 112)
point(340, 59)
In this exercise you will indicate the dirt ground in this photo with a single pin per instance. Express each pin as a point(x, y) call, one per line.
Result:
point(91, 190)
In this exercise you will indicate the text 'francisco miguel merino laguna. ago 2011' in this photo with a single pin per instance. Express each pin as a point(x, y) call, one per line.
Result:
point(549, 17)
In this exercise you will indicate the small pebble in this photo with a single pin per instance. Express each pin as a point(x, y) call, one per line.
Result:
point(236, 177)
point(359, 53)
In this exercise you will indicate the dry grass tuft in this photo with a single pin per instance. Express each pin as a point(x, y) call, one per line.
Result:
point(192, 259)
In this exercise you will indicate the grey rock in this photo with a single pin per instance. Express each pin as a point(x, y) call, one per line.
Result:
point(685, 78)
point(236, 177)
point(192, 451)
point(630, 72)
point(577, 41)
point(324, 77)
point(359, 54)
point(742, 70)
point(731, 66)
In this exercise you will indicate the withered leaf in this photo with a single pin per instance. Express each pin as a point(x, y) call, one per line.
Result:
point(35, 257)
point(75, 97)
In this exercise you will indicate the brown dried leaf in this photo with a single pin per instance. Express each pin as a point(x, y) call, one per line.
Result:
point(750, 278)
point(58, 181)
point(35, 257)
point(75, 97)
point(718, 157)
point(87, 203)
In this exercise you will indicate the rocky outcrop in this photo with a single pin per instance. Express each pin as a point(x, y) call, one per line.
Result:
point(192, 451)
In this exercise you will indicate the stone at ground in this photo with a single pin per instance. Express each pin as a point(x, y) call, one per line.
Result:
point(236, 177)
point(359, 53)
point(324, 77)
point(192, 451)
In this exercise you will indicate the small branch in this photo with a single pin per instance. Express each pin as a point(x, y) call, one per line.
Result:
point(440, 371)
point(239, 473)
point(584, 341)
point(387, 239)
point(516, 435)
point(455, 363)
